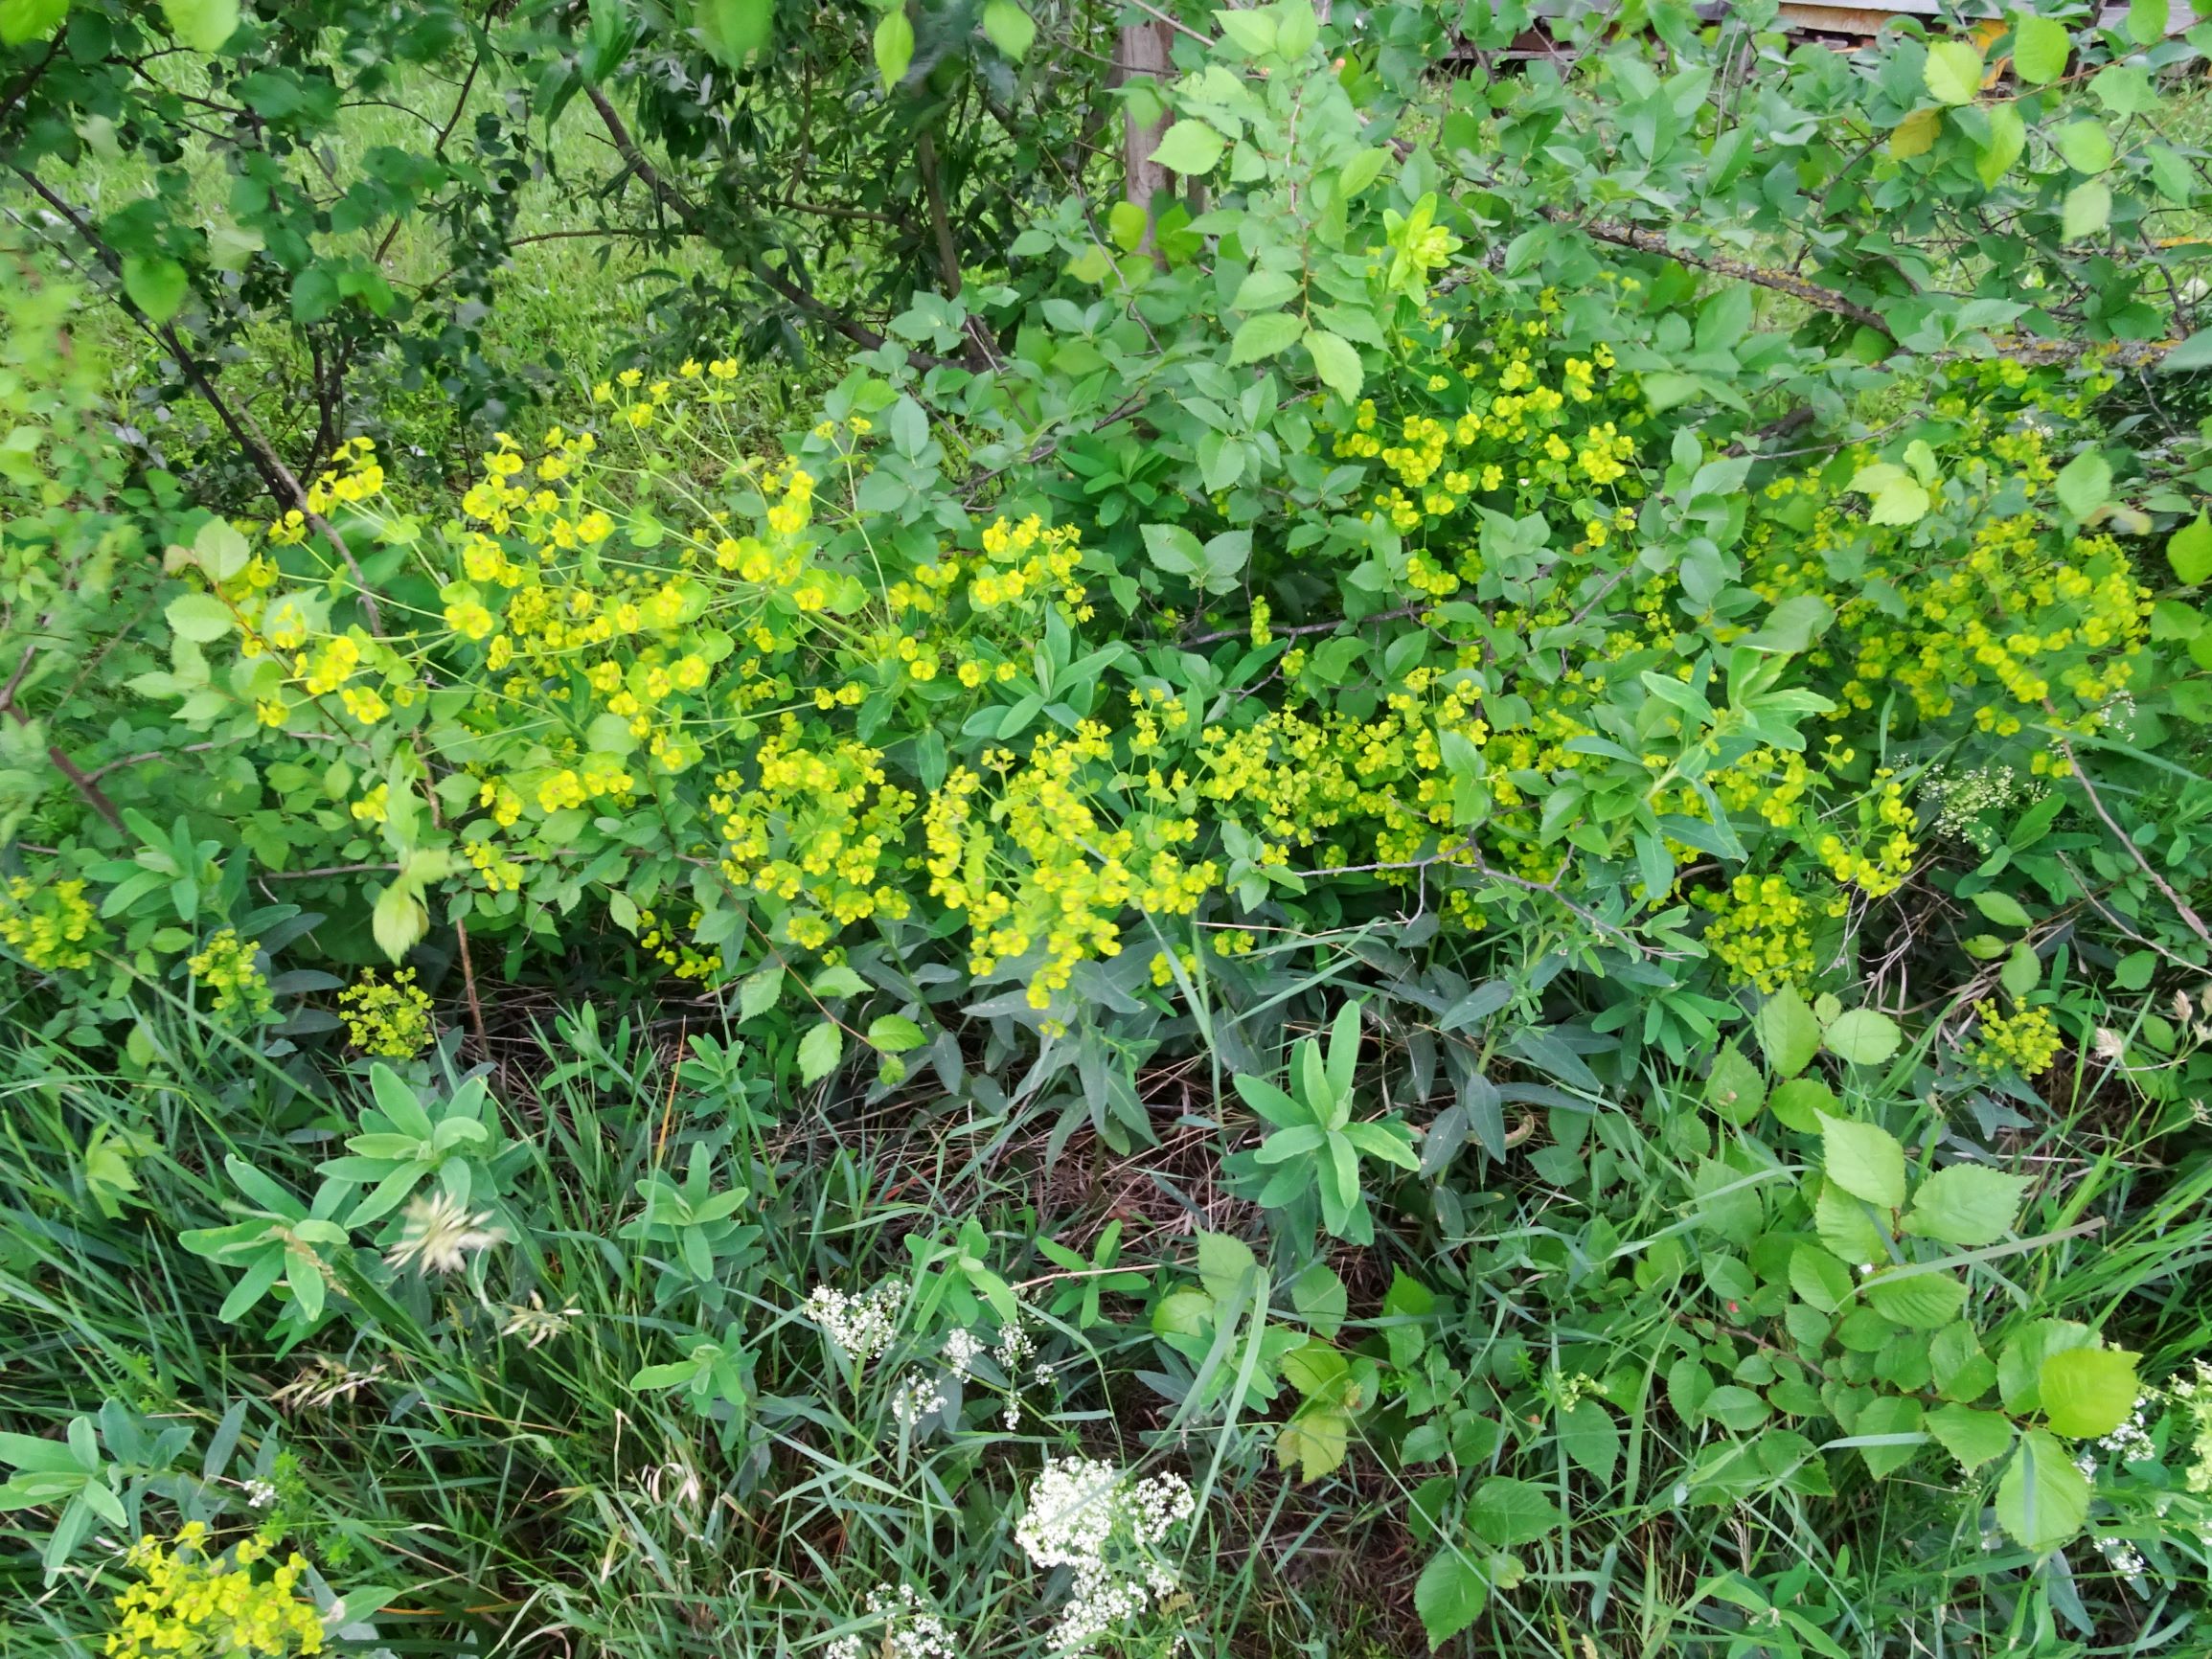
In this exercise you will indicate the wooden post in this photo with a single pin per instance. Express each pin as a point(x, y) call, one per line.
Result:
point(1143, 50)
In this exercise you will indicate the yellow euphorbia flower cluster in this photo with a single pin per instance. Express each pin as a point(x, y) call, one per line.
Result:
point(187, 1604)
point(1039, 865)
point(819, 832)
point(2005, 621)
point(1762, 930)
point(51, 924)
point(387, 1017)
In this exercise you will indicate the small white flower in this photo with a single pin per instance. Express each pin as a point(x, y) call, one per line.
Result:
point(259, 1494)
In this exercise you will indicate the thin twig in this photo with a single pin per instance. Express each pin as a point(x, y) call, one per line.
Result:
point(2180, 905)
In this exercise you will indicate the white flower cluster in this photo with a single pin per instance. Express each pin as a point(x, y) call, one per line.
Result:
point(961, 1348)
point(1961, 799)
point(918, 1396)
point(1015, 1345)
point(1086, 1514)
point(863, 1325)
point(2123, 1557)
point(911, 1630)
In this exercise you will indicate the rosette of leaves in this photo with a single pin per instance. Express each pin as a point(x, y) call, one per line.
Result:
point(403, 1143)
point(1316, 1148)
point(693, 1220)
point(278, 1240)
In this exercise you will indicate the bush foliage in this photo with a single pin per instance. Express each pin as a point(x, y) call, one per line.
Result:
point(1460, 865)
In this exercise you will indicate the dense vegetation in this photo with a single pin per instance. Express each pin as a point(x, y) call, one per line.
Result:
point(966, 830)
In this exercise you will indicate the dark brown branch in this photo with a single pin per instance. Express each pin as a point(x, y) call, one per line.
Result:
point(94, 796)
point(1650, 242)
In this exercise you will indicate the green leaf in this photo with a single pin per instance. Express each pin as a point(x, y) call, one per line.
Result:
point(1296, 30)
point(1799, 1103)
point(1226, 1265)
point(203, 25)
point(1819, 1278)
point(398, 919)
point(2088, 209)
point(1264, 335)
point(200, 617)
point(2189, 550)
point(839, 981)
point(1190, 147)
point(22, 20)
point(2147, 21)
point(1788, 1033)
point(756, 992)
point(2088, 147)
point(1009, 28)
point(1862, 1037)
point(2041, 46)
point(155, 286)
point(2042, 1499)
point(1361, 170)
point(2021, 1363)
point(219, 549)
point(1972, 1437)
point(2085, 484)
point(894, 1033)
point(1897, 497)
point(1888, 1414)
point(1916, 134)
point(1590, 1437)
point(820, 1050)
point(1336, 360)
point(2008, 137)
point(1736, 1406)
point(1954, 71)
point(2173, 177)
point(1314, 1442)
point(2087, 1392)
point(1174, 548)
point(734, 29)
point(1967, 1205)
point(893, 46)
point(1962, 1372)
point(1450, 1594)
point(1735, 1088)
point(1125, 226)
point(1253, 32)
point(1505, 1511)
point(1918, 1302)
point(1863, 1159)
point(2002, 908)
